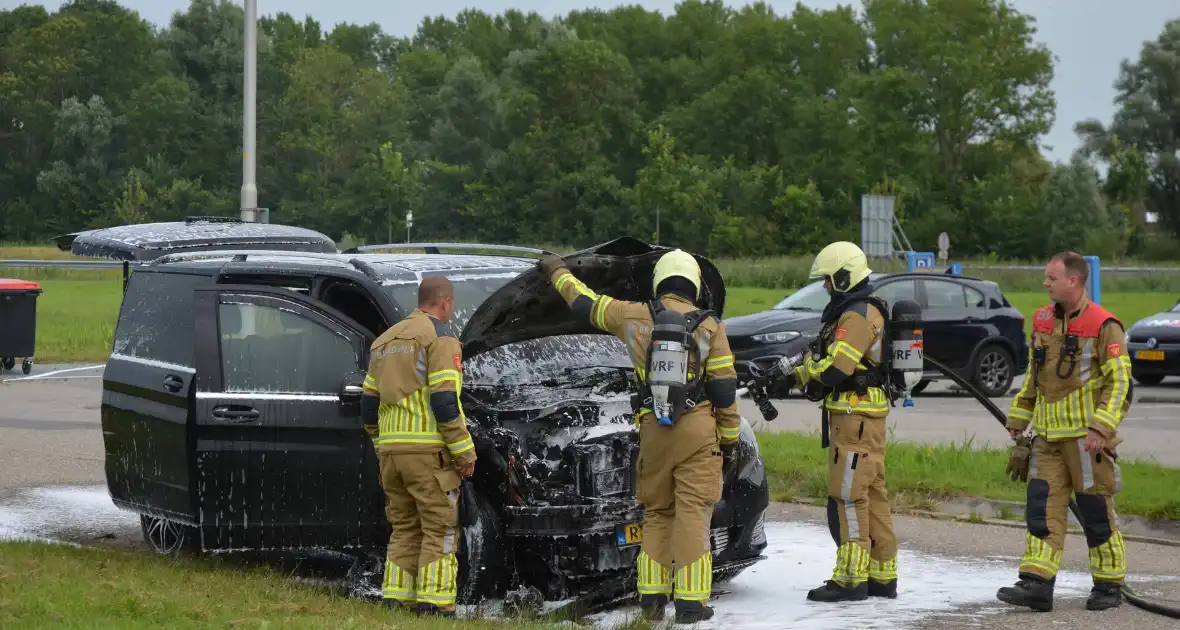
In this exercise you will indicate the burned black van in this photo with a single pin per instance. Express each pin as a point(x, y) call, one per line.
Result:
point(231, 418)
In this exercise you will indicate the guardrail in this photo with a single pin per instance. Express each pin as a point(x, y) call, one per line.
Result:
point(65, 264)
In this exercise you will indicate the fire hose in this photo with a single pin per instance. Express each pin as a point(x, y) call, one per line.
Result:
point(756, 389)
point(1166, 609)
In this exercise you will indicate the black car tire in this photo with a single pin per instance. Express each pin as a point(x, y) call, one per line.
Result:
point(993, 370)
point(1147, 379)
point(167, 537)
point(9, 363)
point(487, 554)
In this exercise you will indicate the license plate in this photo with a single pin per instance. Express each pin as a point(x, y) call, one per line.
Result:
point(1150, 355)
point(630, 534)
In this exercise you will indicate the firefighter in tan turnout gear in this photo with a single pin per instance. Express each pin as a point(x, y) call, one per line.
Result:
point(1076, 393)
point(681, 442)
point(845, 372)
point(411, 410)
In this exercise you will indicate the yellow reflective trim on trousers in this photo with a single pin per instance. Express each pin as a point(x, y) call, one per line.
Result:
point(436, 581)
point(695, 581)
point(1108, 561)
point(1039, 554)
point(852, 565)
point(399, 584)
point(883, 571)
point(654, 578)
point(1070, 416)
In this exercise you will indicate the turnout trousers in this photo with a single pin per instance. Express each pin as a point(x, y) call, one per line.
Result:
point(859, 515)
point(422, 495)
point(679, 482)
point(1056, 469)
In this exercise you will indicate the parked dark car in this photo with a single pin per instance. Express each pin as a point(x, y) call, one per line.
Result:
point(968, 325)
point(230, 411)
point(1154, 344)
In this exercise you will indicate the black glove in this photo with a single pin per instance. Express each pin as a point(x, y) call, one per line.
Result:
point(816, 346)
point(550, 263)
point(727, 453)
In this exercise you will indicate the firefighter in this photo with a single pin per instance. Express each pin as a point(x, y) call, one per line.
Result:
point(1076, 393)
point(686, 428)
point(847, 371)
point(411, 410)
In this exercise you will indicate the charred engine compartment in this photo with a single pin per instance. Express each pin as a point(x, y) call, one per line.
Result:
point(568, 484)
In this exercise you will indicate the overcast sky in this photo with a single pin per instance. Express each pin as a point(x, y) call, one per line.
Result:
point(1088, 37)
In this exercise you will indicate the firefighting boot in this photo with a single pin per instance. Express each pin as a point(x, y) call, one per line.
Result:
point(1030, 591)
point(692, 612)
point(1104, 595)
point(833, 591)
point(653, 606)
point(883, 589)
point(430, 610)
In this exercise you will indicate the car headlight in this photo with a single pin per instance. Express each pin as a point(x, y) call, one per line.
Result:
point(776, 337)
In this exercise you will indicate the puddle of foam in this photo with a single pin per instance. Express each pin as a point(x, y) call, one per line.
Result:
point(773, 593)
point(44, 514)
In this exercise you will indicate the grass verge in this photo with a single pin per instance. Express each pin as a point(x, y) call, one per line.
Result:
point(46, 585)
point(920, 475)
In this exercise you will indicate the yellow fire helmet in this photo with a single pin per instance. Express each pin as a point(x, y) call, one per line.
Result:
point(843, 262)
point(677, 263)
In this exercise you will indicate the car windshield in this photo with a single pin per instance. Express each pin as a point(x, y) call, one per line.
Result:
point(813, 297)
point(470, 291)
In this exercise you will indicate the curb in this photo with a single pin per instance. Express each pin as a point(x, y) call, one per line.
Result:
point(967, 511)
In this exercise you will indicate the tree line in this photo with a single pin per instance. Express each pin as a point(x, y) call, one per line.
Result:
point(736, 132)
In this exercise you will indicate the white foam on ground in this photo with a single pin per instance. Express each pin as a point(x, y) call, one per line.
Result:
point(771, 594)
point(46, 513)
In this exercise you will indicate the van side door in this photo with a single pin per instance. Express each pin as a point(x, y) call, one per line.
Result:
point(282, 456)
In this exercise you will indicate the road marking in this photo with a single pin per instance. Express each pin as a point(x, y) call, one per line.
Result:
point(56, 372)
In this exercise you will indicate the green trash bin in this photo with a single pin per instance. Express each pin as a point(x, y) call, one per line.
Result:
point(18, 323)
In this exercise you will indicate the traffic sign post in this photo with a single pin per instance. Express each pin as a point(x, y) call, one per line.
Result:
point(1095, 279)
point(944, 244)
point(919, 260)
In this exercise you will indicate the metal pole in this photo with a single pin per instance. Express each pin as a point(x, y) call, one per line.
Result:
point(249, 111)
point(657, 224)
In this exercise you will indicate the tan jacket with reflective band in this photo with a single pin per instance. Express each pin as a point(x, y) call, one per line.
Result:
point(1093, 389)
point(857, 334)
point(415, 358)
point(632, 323)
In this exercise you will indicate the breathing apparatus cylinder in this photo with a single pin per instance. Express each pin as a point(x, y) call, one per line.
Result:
point(667, 366)
point(908, 354)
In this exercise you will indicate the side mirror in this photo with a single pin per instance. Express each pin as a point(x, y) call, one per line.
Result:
point(352, 388)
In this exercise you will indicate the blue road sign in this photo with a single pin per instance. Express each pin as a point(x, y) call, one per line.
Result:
point(919, 260)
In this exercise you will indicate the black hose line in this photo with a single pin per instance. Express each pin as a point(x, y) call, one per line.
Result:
point(1167, 609)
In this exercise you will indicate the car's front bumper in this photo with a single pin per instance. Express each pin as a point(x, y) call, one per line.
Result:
point(1160, 358)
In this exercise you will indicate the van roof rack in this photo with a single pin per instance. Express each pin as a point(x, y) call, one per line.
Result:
point(212, 219)
point(433, 248)
point(240, 255)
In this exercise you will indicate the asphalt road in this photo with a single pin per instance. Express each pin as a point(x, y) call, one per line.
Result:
point(1150, 432)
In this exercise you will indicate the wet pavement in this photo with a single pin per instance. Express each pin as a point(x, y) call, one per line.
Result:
point(52, 486)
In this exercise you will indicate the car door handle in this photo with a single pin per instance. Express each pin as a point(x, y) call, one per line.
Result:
point(173, 383)
point(235, 413)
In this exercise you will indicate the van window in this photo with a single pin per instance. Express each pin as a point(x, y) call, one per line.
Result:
point(276, 350)
point(156, 321)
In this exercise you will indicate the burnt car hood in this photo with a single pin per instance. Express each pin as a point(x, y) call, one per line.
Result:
point(771, 321)
point(147, 241)
point(1163, 326)
point(528, 307)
